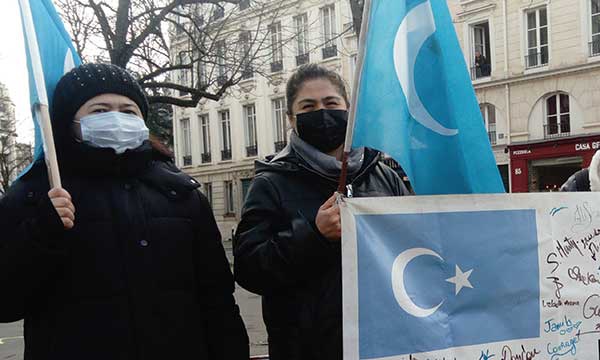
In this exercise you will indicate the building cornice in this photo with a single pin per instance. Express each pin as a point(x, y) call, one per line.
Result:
point(476, 10)
point(537, 76)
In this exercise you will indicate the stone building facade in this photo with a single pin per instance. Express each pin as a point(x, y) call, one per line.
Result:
point(538, 84)
point(218, 142)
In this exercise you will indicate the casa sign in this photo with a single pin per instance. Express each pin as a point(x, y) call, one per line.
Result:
point(587, 146)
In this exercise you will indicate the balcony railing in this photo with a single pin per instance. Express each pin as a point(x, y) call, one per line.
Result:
point(329, 51)
point(595, 48)
point(221, 80)
point(187, 160)
point(279, 145)
point(277, 66)
point(480, 72)
point(536, 60)
point(226, 154)
point(557, 130)
point(206, 158)
point(302, 59)
point(247, 72)
point(251, 150)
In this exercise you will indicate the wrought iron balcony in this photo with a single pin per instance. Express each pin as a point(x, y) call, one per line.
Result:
point(251, 150)
point(329, 51)
point(481, 72)
point(536, 60)
point(279, 145)
point(221, 80)
point(247, 72)
point(226, 154)
point(206, 158)
point(187, 160)
point(595, 48)
point(277, 66)
point(302, 59)
point(557, 130)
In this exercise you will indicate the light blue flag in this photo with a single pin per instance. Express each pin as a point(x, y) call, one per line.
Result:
point(489, 274)
point(56, 54)
point(416, 101)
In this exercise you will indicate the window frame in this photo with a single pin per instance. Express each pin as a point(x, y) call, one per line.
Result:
point(301, 29)
point(250, 130)
point(186, 140)
point(225, 131)
point(205, 141)
point(539, 63)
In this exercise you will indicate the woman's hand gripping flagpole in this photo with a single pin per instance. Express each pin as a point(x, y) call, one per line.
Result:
point(362, 44)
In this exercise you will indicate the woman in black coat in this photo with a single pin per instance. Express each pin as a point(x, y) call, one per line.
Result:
point(287, 245)
point(126, 261)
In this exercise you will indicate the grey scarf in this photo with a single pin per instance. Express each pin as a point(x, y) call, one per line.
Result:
point(324, 163)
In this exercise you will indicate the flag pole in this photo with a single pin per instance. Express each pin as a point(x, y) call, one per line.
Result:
point(362, 45)
point(41, 109)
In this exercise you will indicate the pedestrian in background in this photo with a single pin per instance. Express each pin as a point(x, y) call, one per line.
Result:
point(126, 261)
point(287, 245)
point(587, 179)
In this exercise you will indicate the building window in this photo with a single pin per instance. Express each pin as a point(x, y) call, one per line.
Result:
point(488, 112)
point(186, 142)
point(250, 127)
point(537, 38)
point(329, 31)
point(221, 68)
point(244, 4)
point(276, 47)
point(208, 192)
point(302, 49)
point(595, 27)
point(225, 135)
point(245, 186)
point(245, 55)
point(201, 72)
point(481, 64)
point(229, 199)
point(219, 12)
point(280, 124)
point(205, 138)
point(558, 116)
point(185, 75)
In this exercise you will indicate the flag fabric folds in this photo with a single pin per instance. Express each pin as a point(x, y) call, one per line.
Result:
point(471, 277)
point(56, 54)
point(415, 100)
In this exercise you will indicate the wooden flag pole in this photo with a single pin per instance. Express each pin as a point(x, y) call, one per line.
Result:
point(41, 109)
point(362, 45)
point(49, 148)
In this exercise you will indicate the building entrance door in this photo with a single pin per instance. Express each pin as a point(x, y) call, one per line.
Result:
point(549, 174)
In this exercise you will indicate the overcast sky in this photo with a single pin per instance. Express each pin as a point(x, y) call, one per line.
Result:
point(13, 68)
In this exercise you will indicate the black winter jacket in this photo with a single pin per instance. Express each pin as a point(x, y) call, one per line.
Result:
point(142, 275)
point(280, 254)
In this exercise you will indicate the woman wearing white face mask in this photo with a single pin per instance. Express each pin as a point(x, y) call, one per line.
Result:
point(126, 264)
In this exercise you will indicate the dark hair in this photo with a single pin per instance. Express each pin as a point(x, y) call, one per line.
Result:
point(312, 72)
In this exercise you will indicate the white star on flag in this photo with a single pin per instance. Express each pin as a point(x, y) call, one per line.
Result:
point(461, 279)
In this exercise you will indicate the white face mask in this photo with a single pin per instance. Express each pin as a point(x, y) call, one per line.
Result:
point(115, 130)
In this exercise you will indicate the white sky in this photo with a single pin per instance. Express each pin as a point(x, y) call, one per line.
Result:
point(13, 67)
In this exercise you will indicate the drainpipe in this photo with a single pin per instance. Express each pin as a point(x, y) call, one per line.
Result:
point(507, 89)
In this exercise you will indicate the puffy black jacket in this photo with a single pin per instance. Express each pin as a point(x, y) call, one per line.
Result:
point(580, 181)
point(280, 254)
point(142, 275)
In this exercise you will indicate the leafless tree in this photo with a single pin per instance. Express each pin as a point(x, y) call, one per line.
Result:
point(14, 157)
point(215, 52)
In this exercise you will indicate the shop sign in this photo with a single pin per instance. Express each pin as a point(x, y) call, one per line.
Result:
point(521, 152)
point(587, 146)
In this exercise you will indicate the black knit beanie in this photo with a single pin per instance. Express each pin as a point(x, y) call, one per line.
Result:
point(84, 82)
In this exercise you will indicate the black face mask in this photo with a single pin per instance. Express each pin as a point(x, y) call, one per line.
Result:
point(324, 129)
